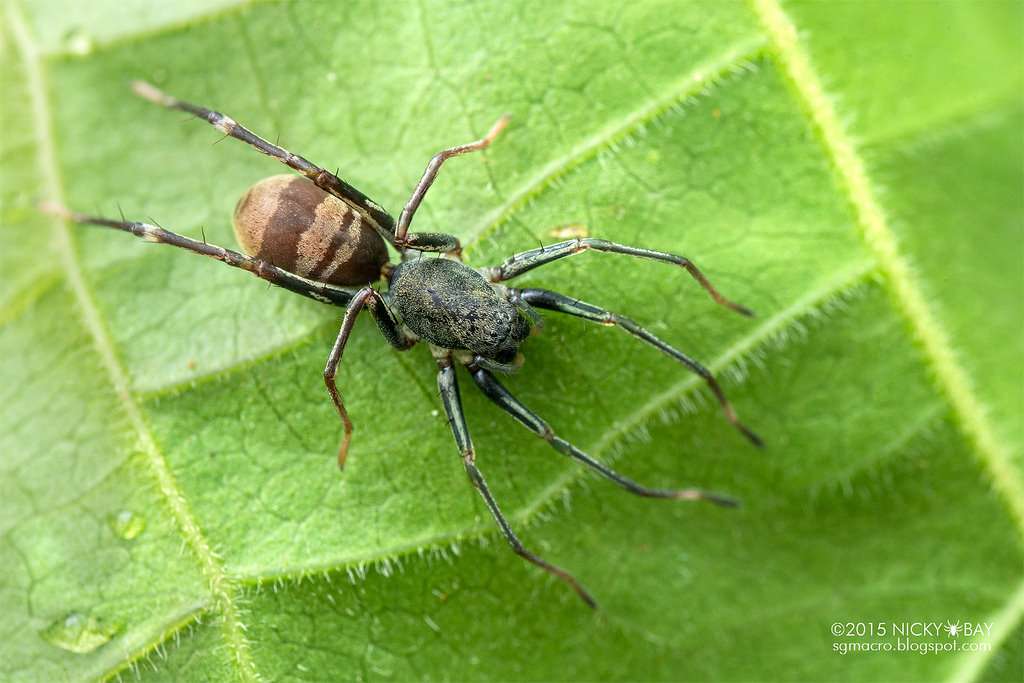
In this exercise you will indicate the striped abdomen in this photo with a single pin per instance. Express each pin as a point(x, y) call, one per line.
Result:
point(293, 224)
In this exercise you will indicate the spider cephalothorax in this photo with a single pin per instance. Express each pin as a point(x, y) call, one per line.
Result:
point(455, 307)
point(318, 236)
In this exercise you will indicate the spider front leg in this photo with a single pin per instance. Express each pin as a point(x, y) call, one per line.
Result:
point(448, 387)
point(553, 301)
point(380, 219)
point(528, 260)
point(500, 396)
point(391, 331)
point(432, 241)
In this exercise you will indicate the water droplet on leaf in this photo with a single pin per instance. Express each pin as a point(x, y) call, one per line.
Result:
point(127, 525)
point(79, 633)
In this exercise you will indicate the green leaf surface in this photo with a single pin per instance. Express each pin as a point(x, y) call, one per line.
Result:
point(169, 503)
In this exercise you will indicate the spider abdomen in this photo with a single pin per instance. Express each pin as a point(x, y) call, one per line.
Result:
point(293, 224)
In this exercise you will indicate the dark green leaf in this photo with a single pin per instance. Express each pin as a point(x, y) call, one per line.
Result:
point(853, 171)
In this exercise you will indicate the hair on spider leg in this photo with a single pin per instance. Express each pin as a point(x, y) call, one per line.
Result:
point(184, 121)
point(314, 234)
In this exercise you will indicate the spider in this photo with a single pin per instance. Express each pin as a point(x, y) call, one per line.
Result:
point(316, 235)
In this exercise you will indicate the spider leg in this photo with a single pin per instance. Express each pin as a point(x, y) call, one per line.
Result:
point(319, 291)
point(449, 389)
point(542, 298)
point(528, 260)
point(434, 240)
point(500, 396)
point(380, 219)
point(390, 329)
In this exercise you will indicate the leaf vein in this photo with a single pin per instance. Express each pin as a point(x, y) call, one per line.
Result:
point(951, 122)
point(688, 86)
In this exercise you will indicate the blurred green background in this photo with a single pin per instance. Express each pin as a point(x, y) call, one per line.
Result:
point(169, 502)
